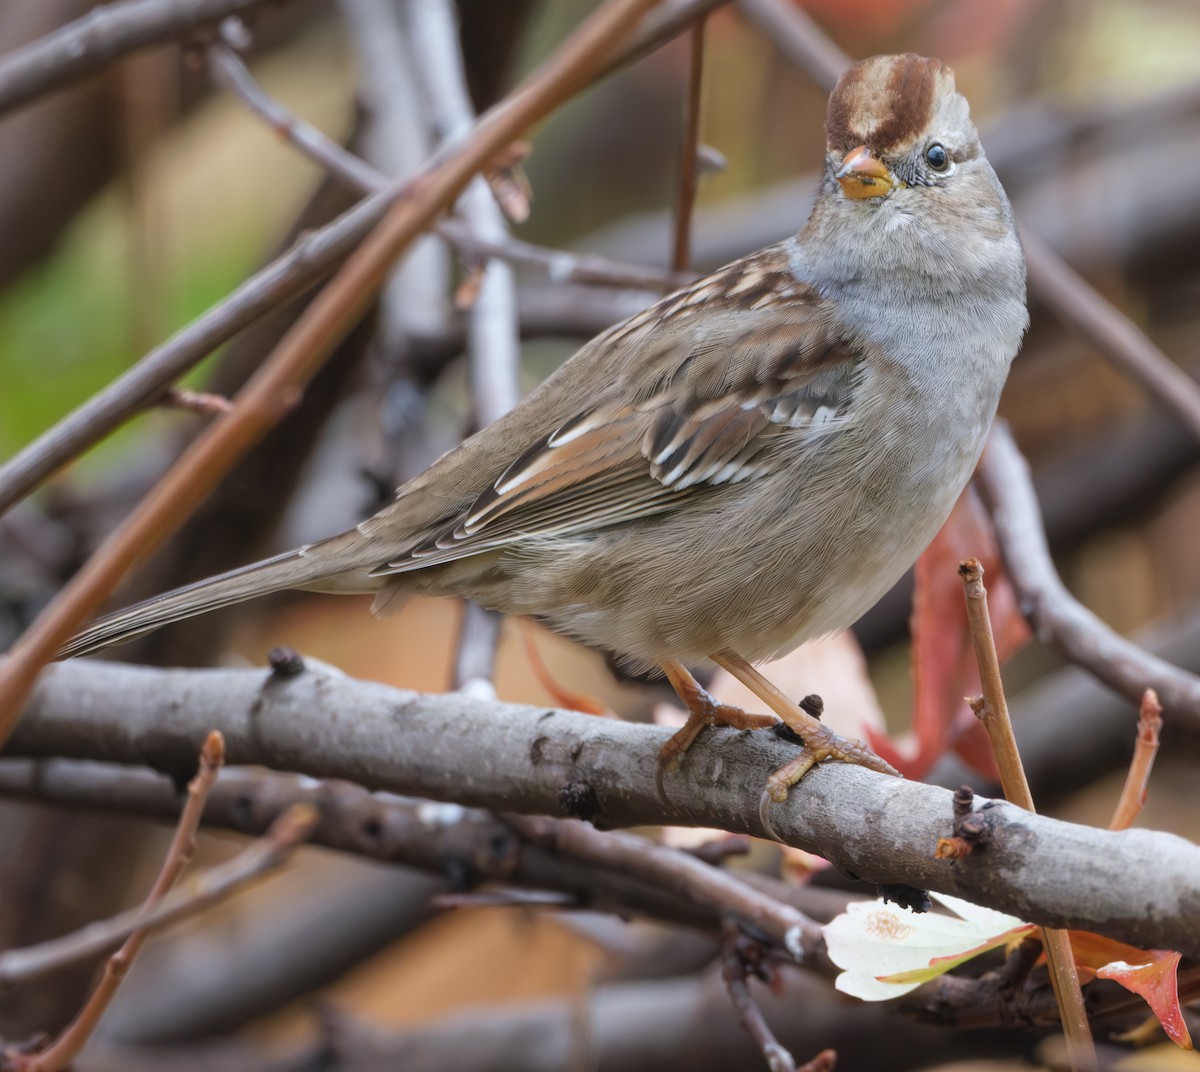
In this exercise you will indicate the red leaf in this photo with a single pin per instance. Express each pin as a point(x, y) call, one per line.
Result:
point(1149, 973)
point(943, 660)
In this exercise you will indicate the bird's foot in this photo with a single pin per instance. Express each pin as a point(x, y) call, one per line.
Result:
point(819, 744)
point(703, 710)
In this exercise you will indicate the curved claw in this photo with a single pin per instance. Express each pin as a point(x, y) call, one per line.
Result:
point(660, 772)
point(764, 814)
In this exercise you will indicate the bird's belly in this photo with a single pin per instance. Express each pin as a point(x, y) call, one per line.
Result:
point(757, 576)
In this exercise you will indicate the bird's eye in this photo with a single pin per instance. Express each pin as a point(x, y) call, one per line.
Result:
point(937, 157)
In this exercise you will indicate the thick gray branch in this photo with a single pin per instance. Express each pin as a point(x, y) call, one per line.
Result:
point(1140, 886)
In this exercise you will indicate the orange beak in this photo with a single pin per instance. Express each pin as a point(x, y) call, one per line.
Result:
point(862, 176)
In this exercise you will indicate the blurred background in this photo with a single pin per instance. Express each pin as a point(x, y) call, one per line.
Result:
point(134, 200)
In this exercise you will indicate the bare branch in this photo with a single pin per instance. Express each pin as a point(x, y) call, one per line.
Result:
point(669, 20)
point(104, 34)
point(20, 965)
point(310, 260)
point(1056, 616)
point(59, 1054)
point(229, 71)
point(742, 957)
point(675, 1025)
point(417, 833)
point(1080, 306)
point(680, 873)
point(562, 266)
point(521, 758)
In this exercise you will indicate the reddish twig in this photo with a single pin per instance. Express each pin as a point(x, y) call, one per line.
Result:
point(992, 709)
point(668, 21)
point(1133, 793)
point(307, 262)
point(60, 1053)
point(310, 260)
point(560, 265)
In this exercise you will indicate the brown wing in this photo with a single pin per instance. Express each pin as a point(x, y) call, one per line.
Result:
point(715, 395)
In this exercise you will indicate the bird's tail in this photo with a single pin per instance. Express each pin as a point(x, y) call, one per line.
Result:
point(293, 569)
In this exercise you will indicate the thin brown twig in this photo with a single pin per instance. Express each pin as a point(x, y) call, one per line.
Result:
point(266, 854)
point(992, 710)
point(1100, 323)
point(229, 71)
point(679, 872)
point(1133, 793)
point(1056, 616)
point(669, 20)
point(685, 200)
point(742, 957)
point(275, 389)
point(563, 266)
point(60, 1053)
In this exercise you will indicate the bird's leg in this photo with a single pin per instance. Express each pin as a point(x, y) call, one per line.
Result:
point(821, 744)
point(703, 710)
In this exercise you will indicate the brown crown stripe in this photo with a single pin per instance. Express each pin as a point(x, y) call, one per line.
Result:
point(883, 102)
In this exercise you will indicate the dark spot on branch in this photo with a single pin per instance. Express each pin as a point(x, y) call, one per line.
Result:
point(964, 800)
point(536, 750)
point(906, 896)
point(579, 800)
point(285, 661)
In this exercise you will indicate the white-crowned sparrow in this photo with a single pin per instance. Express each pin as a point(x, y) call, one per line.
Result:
point(750, 462)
